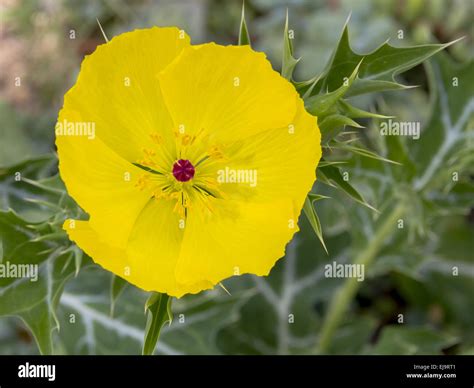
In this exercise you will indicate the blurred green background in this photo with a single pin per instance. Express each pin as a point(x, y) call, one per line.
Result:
point(43, 42)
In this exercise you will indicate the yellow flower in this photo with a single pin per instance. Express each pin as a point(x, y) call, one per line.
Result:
point(193, 162)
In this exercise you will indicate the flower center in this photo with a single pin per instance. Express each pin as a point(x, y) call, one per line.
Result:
point(183, 170)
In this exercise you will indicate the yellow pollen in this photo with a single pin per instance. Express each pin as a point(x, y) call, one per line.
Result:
point(142, 182)
point(216, 153)
point(156, 138)
point(149, 152)
point(147, 162)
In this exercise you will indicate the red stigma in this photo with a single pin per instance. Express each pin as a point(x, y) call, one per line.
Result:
point(183, 170)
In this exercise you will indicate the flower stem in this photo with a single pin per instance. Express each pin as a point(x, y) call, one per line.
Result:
point(345, 294)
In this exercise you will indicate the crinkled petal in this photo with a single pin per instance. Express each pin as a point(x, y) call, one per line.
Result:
point(118, 90)
point(237, 238)
point(229, 92)
point(109, 257)
point(103, 184)
point(153, 250)
point(281, 163)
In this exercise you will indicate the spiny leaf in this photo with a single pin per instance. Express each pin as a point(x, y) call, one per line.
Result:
point(324, 163)
point(102, 30)
point(379, 69)
point(379, 66)
point(18, 183)
point(225, 289)
point(319, 105)
point(412, 340)
point(305, 88)
point(202, 316)
point(316, 197)
point(35, 302)
point(117, 286)
point(78, 258)
point(333, 175)
point(449, 130)
point(363, 151)
point(158, 307)
point(366, 86)
point(332, 125)
point(244, 37)
point(356, 113)
point(313, 218)
point(397, 149)
point(288, 62)
point(60, 235)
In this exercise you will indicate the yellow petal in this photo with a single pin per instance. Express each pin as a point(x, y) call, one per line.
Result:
point(154, 278)
point(153, 250)
point(109, 257)
point(229, 92)
point(103, 184)
point(237, 238)
point(117, 89)
point(282, 160)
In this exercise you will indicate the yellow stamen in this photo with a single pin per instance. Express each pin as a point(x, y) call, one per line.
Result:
point(216, 153)
point(149, 152)
point(156, 138)
point(142, 182)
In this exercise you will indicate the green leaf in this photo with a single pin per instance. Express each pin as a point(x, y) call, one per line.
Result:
point(316, 197)
point(333, 175)
point(353, 335)
point(78, 258)
point(36, 194)
point(198, 318)
point(33, 300)
point(313, 218)
point(244, 37)
point(323, 163)
point(401, 340)
point(288, 62)
point(429, 282)
point(368, 86)
point(319, 105)
point(459, 198)
point(379, 68)
point(448, 138)
point(396, 148)
point(362, 151)
point(117, 286)
point(34, 236)
point(356, 113)
point(158, 307)
point(305, 88)
point(332, 125)
point(17, 191)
